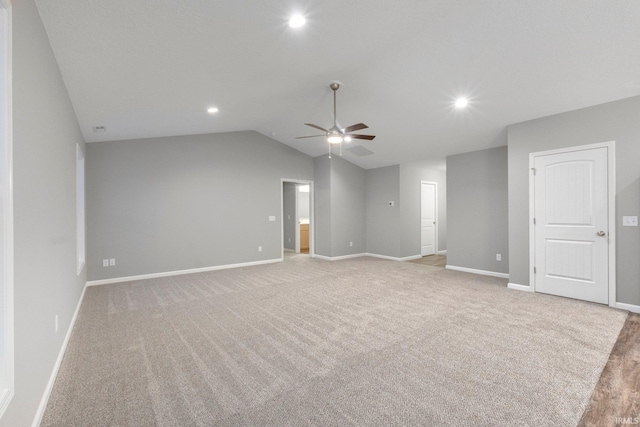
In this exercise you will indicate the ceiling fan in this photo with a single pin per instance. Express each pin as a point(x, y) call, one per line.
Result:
point(336, 134)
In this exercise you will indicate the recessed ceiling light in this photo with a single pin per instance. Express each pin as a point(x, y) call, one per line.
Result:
point(461, 102)
point(212, 110)
point(297, 21)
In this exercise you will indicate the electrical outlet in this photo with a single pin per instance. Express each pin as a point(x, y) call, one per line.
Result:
point(498, 257)
point(259, 248)
point(56, 323)
point(112, 262)
point(105, 263)
point(272, 217)
point(350, 243)
point(289, 239)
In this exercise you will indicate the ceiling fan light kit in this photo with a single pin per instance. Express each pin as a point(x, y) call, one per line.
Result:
point(336, 135)
point(334, 138)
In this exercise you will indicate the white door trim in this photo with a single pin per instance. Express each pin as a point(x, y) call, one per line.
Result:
point(296, 219)
point(435, 213)
point(7, 380)
point(611, 212)
point(311, 216)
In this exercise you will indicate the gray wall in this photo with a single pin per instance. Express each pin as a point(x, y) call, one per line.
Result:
point(322, 205)
point(617, 121)
point(348, 208)
point(177, 203)
point(477, 212)
point(395, 230)
point(340, 209)
point(45, 134)
point(383, 221)
point(289, 212)
point(303, 204)
point(411, 176)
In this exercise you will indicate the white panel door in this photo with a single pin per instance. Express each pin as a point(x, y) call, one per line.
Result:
point(428, 219)
point(571, 225)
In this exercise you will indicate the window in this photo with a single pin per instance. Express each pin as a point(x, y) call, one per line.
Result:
point(6, 211)
point(80, 218)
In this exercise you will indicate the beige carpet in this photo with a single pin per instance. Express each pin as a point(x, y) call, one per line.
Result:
point(309, 342)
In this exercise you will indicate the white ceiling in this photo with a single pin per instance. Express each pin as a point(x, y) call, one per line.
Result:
point(146, 68)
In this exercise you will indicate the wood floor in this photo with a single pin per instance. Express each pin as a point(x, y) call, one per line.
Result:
point(616, 399)
point(432, 260)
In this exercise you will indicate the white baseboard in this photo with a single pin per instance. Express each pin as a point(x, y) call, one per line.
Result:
point(393, 258)
point(482, 272)
point(517, 287)
point(180, 272)
point(442, 252)
point(629, 307)
point(52, 379)
point(288, 250)
point(338, 258)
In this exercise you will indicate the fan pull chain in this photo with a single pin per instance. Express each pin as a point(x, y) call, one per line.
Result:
point(329, 150)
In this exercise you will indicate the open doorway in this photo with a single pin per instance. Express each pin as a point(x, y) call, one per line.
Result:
point(297, 217)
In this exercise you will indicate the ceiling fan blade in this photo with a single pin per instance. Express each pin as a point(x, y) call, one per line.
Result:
point(354, 128)
point(317, 127)
point(367, 137)
point(310, 136)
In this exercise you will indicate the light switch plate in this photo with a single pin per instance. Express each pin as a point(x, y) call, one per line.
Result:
point(629, 221)
point(272, 217)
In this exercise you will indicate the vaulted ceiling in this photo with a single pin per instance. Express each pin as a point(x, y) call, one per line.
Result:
point(147, 68)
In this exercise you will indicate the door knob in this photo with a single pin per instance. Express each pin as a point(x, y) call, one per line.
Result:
point(601, 233)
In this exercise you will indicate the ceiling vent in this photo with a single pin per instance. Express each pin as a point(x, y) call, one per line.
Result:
point(360, 151)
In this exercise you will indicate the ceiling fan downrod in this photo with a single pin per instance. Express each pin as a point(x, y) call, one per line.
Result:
point(335, 134)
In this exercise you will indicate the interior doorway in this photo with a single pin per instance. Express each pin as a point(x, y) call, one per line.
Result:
point(297, 217)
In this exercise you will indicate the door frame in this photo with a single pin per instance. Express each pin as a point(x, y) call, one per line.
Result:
point(311, 216)
point(7, 351)
point(435, 209)
point(611, 209)
point(296, 219)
